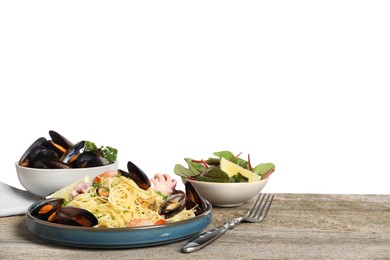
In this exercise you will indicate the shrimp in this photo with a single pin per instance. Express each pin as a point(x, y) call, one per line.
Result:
point(107, 174)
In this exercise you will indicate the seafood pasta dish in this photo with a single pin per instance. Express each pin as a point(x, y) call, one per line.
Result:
point(117, 201)
point(122, 199)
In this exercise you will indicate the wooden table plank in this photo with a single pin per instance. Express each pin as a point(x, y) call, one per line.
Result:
point(298, 226)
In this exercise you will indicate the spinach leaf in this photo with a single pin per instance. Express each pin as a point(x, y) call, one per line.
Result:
point(238, 178)
point(213, 161)
point(182, 171)
point(225, 154)
point(263, 169)
point(233, 158)
point(195, 166)
point(214, 174)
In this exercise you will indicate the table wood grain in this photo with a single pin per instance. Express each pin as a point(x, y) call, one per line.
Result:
point(298, 226)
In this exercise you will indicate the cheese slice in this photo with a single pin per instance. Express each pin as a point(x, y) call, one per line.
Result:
point(232, 169)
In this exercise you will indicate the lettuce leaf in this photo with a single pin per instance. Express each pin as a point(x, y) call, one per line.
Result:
point(209, 170)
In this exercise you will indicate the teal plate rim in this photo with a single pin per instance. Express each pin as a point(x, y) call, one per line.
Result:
point(115, 238)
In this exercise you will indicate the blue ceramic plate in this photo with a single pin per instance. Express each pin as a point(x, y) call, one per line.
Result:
point(130, 237)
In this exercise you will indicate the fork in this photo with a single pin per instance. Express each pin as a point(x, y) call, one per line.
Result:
point(256, 213)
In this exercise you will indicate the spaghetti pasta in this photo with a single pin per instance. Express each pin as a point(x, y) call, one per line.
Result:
point(124, 203)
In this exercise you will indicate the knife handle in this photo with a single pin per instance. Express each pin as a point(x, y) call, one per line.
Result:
point(205, 238)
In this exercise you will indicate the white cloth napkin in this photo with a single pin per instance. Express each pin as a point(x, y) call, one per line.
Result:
point(14, 201)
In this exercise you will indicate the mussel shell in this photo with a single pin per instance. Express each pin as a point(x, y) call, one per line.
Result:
point(194, 199)
point(137, 175)
point(173, 205)
point(46, 163)
point(96, 162)
point(72, 153)
point(59, 150)
point(83, 159)
point(41, 151)
point(89, 159)
point(36, 153)
point(52, 204)
point(60, 140)
point(29, 156)
point(75, 217)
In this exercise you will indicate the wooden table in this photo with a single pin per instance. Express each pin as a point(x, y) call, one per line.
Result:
point(298, 226)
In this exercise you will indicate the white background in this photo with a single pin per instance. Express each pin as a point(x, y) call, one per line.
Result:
point(303, 84)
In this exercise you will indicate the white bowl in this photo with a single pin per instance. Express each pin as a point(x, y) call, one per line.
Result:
point(228, 194)
point(43, 182)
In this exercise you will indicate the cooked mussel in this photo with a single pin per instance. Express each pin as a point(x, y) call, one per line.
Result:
point(60, 141)
point(46, 208)
point(31, 154)
point(60, 153)
point(72, 153)
point(137, 175)
point(47, 163)
point(89, 159)
point(75, 217)
point(39, 156)
point(191, 199)
point(52, 210)
point(173, 205)
point(194, 200)
point(49, 144)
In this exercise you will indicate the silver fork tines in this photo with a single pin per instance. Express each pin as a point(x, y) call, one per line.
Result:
point(256, 213)
point(259, 210)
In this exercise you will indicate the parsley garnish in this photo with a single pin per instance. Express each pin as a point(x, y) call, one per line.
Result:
point(106, 152)
point(164, 196)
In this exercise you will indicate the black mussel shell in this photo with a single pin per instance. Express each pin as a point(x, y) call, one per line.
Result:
point(45, 163)
point(59, 150)
point(30, 155)
point(46, 154)
point(97, 161)
point(60, 140)
point(137, 175)
point(75, 217)
point(47, 207)
point(194, 199)
point(89, 159)
point(72, 153)
point(173, 205)
point(41, 152)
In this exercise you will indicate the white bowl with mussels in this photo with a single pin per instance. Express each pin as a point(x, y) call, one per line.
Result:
point(51, 164)
point(225, 180)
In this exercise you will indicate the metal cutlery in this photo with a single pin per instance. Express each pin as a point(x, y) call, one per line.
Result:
point(256, 214)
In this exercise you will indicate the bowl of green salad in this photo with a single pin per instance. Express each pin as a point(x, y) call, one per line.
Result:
point(226, 179)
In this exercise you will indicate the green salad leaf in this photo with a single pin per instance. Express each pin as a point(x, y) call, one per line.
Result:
point(264, 169)
point(231, 157)
point(238, 178)
point(209, 170)
point(214, 174)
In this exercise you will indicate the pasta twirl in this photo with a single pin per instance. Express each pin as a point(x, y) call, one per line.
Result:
point(125, 203)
